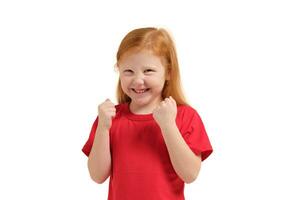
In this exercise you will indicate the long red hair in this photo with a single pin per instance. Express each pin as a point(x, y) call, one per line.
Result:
point(159, 41)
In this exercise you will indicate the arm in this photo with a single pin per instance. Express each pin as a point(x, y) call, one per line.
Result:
point(99, 161)
point(186, 164)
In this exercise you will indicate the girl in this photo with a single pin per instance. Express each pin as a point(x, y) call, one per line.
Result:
point(152, 142)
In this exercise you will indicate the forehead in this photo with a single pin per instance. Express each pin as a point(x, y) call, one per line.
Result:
point(140, 58)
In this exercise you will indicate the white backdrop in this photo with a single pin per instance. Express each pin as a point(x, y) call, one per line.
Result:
point(239, 63)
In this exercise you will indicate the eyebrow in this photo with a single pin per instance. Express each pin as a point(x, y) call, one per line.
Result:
point(144, 66)
point(148, 66)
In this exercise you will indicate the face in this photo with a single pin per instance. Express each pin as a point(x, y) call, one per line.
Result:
point(142, 77)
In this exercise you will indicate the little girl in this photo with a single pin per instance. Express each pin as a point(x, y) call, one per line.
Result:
point(152, 142)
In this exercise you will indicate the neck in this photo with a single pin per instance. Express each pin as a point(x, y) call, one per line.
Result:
point(144, 109)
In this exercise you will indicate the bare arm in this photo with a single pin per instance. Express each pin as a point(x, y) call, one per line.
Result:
point(186, 164)
point(99, 161)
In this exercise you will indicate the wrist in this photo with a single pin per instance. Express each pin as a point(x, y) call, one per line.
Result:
point(103, 128)
point(168, 126)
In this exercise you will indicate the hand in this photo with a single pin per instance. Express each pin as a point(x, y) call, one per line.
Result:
point(165, 113)
point(106, 111)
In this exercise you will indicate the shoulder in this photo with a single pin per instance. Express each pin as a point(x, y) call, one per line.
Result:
point(186, 111)
point(188, 118)
point(120, 108)
point(187, 114)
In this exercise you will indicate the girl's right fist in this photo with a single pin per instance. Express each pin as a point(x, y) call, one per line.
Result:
point(106, 111)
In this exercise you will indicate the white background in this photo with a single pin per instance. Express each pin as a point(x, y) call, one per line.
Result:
point(239, 64)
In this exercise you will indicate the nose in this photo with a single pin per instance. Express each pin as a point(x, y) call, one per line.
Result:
point(138, 79)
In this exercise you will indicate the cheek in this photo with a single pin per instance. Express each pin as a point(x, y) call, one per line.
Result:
point(158, 81)
point(124, 83)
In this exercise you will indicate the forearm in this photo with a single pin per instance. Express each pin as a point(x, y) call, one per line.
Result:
point(183, 159)
point(99, 162)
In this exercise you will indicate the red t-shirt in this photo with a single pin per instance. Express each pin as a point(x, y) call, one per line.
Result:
point(141, 166)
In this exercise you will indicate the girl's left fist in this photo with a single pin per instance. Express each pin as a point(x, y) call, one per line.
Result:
point(165, 113)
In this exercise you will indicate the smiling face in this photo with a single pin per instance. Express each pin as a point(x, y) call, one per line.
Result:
point(142, 77)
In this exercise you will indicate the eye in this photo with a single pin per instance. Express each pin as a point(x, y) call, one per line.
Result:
point(128, 71)
point(149, 70)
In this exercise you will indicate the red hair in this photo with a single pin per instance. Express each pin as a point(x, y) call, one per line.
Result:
point(160, 43)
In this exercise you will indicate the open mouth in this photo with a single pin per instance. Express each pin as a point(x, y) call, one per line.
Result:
point(140, 91)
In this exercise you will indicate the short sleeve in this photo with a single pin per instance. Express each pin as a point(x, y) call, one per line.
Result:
point(194, 134)
point(89, 143)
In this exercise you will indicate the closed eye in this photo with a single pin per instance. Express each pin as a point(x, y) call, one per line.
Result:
point(149, 70)
point(128, 71)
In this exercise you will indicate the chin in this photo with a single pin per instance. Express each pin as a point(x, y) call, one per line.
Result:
point(141, 101)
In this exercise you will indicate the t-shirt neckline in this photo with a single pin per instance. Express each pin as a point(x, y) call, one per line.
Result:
point(134, 116)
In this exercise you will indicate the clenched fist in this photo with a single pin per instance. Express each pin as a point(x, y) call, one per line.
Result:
point(106, 111)
point(165, 113)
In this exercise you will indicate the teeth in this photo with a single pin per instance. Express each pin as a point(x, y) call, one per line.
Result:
point(140, 91)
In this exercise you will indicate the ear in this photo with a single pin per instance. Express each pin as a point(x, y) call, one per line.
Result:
point(116, 67)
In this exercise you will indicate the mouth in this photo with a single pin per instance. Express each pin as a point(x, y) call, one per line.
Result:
point(140, 91)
